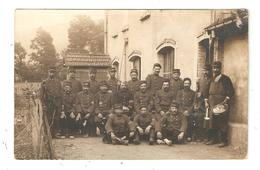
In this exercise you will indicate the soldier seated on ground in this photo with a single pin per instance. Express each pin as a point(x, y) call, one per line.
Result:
point(117, 127)
point(143, 127)
point(68, 116)
point(173, 126)
point(85, 110)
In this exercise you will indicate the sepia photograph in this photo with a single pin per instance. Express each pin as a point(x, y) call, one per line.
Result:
point(143, 84)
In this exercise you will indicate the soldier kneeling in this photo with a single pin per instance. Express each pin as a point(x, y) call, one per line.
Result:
point(173, 125)
point(117, 127)
point(143, 127)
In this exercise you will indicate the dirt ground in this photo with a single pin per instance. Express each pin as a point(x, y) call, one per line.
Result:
point(93, 148)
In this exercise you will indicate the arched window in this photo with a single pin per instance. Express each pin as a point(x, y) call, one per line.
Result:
point(135, 58)
point(166, 54)
point(115, 63)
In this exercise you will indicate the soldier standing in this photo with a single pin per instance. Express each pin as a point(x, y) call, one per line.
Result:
point(186, 98)
point(113, 82)
point(85, 108)
point(103, 106)
point(94, 86)
point(143, 97)
point(163, 98)
point(117, 126)
point(176, 82)
point(133, 84)
point(125, 97)
point(220, 91)
point(68, 116)
point(154, 81)
point(76, 85)
point(173, 125)
point(51, 95)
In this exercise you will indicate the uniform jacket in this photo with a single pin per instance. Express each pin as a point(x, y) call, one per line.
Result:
point(123, 97)
point(154, 83)
point(76, 85)
point(94, 86)
point(103, 102)
point(69, 102)
point(171, 121)
point(143, 98)
point(133, 86)
point(113, 84)
point(117, 124)
point(163, 100)
point(85, 102)
point(144, 120)
point(176, 85)
point(186, 99)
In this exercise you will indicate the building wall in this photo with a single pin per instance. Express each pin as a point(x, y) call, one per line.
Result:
point(182, 26)
point(236, 49)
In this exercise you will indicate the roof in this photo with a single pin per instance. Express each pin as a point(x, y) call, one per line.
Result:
point(227, 20)
point(77, 59)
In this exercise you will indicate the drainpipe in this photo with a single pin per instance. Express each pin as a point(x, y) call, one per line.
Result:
point(106, 31)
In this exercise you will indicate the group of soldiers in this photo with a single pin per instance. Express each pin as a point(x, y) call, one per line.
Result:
point(157, 109)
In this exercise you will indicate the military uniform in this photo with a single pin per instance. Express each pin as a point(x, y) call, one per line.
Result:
point(143, 121)
point(51, 96)
point(68, 124)
point(118, 124)
point(94, 84)
point(172, 124)
point(75, 84)
point(176, 84)
point(186, 98)
point(143, 98)
point(103, 105)
point(85, 106)
point(133, 85)
point(163, 100)
point(125, 97)
point(154, 83)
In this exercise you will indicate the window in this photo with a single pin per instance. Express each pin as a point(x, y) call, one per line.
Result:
point(137, 65)
point(166, 56)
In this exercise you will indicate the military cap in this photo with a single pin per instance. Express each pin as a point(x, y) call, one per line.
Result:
point(206, 67)
point(187, 79)
point(166, 80)
point(142, 106)
point(112, 69)
point(118, 106)
point(93, 71)
point(142, 82)
point(157, 65)
point(174, 104)
point(67, 83)
point(52, 69)
point(134, 70)
point(86, 83)
point(103, 83)
point(176, 71)
point(217, 64)
point(72, 70)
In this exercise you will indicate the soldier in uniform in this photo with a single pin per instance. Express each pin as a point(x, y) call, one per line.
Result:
point(154, 81)
point(143, 97)
point(76, 85)
point(163, 98)
point(125, 97)
point(133, 84)
point(173, 125)
point(176, 82)
point(186, 98)
point(94, 86)
point(113, 82)
point(85, 108)
point(117, 126)
point(103, 106)
point(68, 115)
point(143, 126)
point(51, 95)
point(221, 90)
